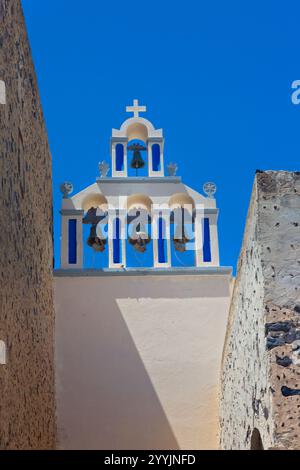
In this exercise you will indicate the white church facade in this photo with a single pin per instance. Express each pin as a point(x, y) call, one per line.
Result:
point(141, 304)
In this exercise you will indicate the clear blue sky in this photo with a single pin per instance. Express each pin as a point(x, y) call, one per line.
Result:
point(215, 75)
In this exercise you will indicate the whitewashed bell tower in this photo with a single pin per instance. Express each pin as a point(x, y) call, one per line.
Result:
point(140, 324)
point(163, 200)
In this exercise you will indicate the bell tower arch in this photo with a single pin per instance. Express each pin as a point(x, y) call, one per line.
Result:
point(137, 128)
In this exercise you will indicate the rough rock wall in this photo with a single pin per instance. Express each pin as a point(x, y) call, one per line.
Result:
point(27, 407)
point(261, 360)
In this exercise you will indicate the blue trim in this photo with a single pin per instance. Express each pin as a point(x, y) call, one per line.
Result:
point(206, 241)
point(116, 241)
point(161, 241)
point(72, 241)
point(119, 157)
point(155, 157)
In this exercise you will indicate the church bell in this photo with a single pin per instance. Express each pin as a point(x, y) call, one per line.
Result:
point(91, 217)
point(140, 239)
point(180, 239)
point(95, 242)
point(137, 159)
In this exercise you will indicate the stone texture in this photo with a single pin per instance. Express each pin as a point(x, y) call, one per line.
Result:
point(27, 407)
point(261, 359)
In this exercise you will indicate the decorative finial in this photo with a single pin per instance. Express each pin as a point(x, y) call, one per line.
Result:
point(136, 109)
point(103, 168)
point(172, 169)
point(210, 189)
point(66, 189)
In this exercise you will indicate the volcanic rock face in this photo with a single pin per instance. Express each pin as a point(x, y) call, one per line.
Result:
point(27, 407)
point(261, 359)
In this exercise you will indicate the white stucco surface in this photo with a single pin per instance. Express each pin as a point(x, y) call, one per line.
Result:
point(138, 359)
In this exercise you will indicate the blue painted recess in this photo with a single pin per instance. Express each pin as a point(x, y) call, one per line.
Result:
point(117, 241)
point(155, 157)
point(119, 157)
point(72, 241)
point(206, 241)
point(161, 241)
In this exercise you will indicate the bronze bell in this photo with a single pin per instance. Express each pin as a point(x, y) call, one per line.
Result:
point(180, 239)
point(91, 217)
point(140, 241)
point(97, 243)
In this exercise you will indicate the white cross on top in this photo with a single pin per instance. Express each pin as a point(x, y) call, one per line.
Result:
point(136, 109)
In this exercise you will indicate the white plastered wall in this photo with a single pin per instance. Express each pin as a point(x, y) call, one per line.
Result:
point(137, 360)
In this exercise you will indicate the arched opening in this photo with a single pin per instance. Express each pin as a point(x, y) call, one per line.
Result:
point(95, 231)
point(137, 151)
point(256, 442)
point(96, 200)
point(182, 238)
point(139, 201)
point(137, 157)
point(178, 200)
point(137, 131)
point(139, 244)
point(182, 230)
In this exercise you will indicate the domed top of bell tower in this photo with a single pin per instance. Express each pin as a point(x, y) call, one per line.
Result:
point(142, 135)
point(137, 127)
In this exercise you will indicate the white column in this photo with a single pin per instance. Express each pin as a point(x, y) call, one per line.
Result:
point(125, 159)
point(162, 163)
point(199, 214)
point(112, 215)
point(214, 239)
point(66, 216)
point(165, 214)
point(113, 159)
point(212, 216)
point(149, 145)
